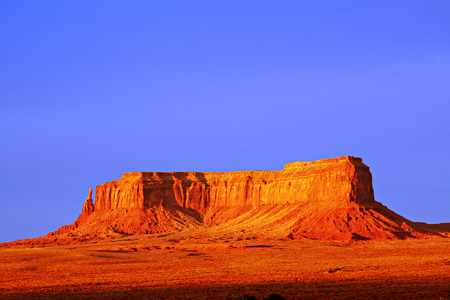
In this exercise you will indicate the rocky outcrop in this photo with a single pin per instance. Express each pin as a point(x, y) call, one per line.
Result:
point(329, 198)
point(339, 180)
point(88, 207)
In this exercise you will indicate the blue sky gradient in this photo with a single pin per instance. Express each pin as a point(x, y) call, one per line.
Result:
point(92, 89)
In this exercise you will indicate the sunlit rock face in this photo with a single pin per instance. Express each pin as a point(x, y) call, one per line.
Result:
point(326, 199)
point(334, 181)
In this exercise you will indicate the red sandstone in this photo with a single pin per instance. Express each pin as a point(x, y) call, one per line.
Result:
point(325, 199)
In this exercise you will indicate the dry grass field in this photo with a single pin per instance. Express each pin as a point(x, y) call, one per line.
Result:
point(193, 265)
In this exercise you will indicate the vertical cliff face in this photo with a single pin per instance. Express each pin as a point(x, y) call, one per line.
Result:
point(142, 190)
point(335, 181)
point(329, 198)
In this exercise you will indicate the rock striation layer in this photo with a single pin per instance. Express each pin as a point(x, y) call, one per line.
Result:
point(325, 199)
point(339, 180)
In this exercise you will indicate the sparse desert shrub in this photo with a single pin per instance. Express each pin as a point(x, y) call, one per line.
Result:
point(275, 297)
point(270, 297)
point(247, 297)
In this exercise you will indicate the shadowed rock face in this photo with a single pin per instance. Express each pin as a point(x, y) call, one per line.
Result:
point(330, 198)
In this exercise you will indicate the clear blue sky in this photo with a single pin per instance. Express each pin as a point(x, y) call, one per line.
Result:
point(92, 89)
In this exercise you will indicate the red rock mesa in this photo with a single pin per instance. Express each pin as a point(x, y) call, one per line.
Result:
point(325, 199)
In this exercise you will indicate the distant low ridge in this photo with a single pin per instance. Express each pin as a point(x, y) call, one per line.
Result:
point(325, 199)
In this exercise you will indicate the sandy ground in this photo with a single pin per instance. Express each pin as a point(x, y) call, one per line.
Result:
point(183, 266)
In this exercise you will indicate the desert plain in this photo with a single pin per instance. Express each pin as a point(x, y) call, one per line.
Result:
point(200, 265)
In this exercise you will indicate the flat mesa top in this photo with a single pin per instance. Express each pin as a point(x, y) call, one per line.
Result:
point(301, 164)
point(290, 166)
